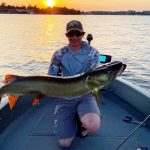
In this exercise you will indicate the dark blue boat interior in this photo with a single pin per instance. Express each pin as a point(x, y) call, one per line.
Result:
point(31, 128)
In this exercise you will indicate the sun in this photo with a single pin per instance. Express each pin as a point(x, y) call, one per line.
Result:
point(50, 3)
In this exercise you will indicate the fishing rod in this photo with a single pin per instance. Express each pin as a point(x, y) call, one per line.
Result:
point(141, 124)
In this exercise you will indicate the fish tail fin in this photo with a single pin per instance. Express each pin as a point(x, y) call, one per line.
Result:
point(8, 78)
point(1, 94)
point(37, 99)
point(12, 101)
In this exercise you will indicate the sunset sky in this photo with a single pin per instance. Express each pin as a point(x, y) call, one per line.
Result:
point(88, 5)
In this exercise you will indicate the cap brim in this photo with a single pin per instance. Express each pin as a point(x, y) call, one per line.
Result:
point(75, 29)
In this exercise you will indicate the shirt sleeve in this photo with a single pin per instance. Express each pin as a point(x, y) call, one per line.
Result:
point(94, 59)
point(54, 65)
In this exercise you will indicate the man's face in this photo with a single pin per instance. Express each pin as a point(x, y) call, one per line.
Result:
point(75, 38)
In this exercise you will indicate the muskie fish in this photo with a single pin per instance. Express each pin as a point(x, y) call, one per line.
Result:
point(65, 87)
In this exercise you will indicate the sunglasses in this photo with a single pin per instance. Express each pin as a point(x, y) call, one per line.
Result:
point(74, 33)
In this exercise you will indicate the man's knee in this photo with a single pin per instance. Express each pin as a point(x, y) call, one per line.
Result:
point(92, 126)
point(91, 122)
point(65, 142)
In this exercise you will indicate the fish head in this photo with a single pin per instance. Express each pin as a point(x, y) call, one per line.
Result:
point(101, 77)
point(96, 82)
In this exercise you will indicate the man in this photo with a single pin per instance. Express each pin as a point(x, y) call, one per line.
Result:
point(75, 58)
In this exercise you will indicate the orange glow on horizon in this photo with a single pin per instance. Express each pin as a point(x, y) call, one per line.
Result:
point(88, 5)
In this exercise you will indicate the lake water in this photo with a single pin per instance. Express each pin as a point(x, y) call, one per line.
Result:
point(27, 42)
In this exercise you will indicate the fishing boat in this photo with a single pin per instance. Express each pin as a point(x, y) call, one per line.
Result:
point(125, 122)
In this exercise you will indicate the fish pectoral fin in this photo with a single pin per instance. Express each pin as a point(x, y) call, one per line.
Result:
point(96, 94)
point(12, 101)
point(37, 99)
point(8, 78)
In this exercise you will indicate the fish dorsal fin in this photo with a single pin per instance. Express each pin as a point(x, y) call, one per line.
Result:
point(12, 101)
point(8, 78)
point(37, 99)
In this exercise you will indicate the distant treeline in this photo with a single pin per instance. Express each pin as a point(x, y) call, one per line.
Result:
point(4, 8)
point(129, 12)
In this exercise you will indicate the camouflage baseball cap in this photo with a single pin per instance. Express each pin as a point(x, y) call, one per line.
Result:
point(74, 25)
